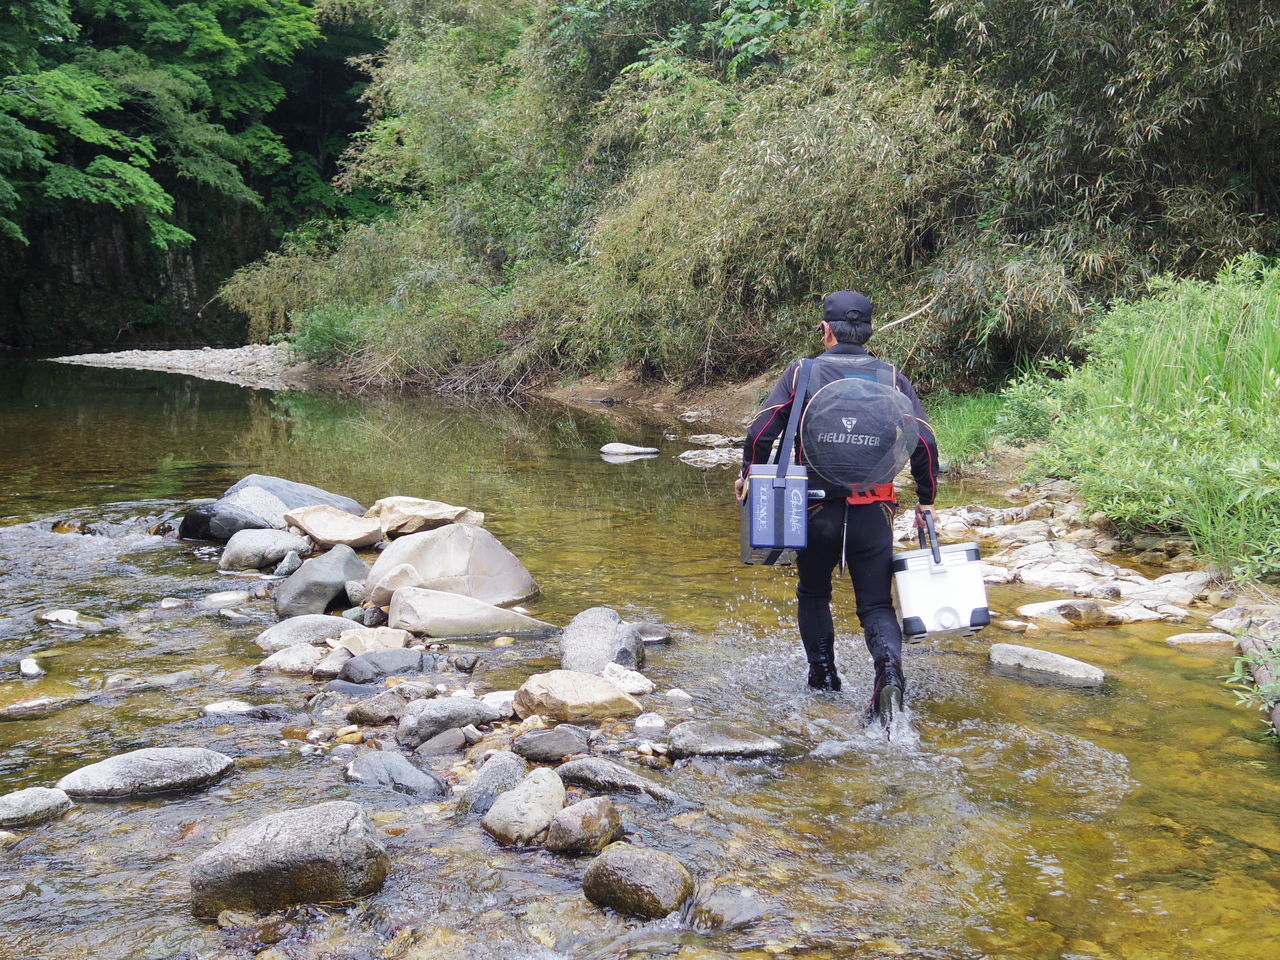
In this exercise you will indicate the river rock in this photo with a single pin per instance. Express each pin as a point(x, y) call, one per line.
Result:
point(298, 660)
point(437, 613)
point(381, 768)
point(329, 526)
point(652, 632)
point(459, 558)
point(1080, 613)
point(628, 681)
point(36, 707)
point(71, 618)
point(553, 745)
point(272, 497)
point(714, 440)
point(367, 639)
point(151, 770)
point(627, 450)
point(504, 701)
point(26, 808)
point(709, 459)
point(390, 704)
point(1044, 663)
point(331, 666)
point(637, 882)
point(570, 695)
point(291, 564)
point(1199, 639)
point(442, 744)
point(318, 582)
point(401, 516)
point(319, 854)
point(596, 773)
point(29, 668)
point(257, 549)
point(717, 738)
point(397, 578)
point(650, 725)
point(225, 710)
point(597, 637)
point(423, 719)
point(519, 815)
point(377, 664)
point(584, 827)
point(500, 773)
point(311, 628)
point(218, 521)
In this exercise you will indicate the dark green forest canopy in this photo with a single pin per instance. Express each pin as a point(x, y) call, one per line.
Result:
point(124, 104)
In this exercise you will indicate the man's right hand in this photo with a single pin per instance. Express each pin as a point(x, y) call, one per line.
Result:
point(921, 511)
point(739, 488)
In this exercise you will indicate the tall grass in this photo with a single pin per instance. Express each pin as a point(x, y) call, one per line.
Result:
point(1174, 423)
point(964, 425)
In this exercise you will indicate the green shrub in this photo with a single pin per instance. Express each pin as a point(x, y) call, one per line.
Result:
point(964, 425)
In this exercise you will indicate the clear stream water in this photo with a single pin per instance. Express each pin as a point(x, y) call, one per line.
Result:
point(1008, 820)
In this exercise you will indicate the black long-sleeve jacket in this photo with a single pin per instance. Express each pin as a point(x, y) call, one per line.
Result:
point(772, 420)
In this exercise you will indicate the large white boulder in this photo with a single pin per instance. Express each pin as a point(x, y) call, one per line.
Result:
point(328, 526)
point(569, 695)
point(1042, 663)
point(365, 639)
point(459, 558)
point(440, 614)
point(401, 516)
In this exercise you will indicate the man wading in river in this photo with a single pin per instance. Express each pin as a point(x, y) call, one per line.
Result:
point(862, 521)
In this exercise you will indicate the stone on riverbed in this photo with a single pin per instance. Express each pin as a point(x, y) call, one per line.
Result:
point(1199, 639)
point(329, 526)
point(37, 707)
point(637, 882)
point(318, 582)
point(313, 628)
point(584, 827)
point(438, 613)
point(519, 815)
point(1045, 664)
point(423, 719)
point(596, 773)
point(569, 695)
point(298, 660)
point(398, 577)
point(272, 497)
point(627, 450)
point(709, 459)
point(628, 681)
point(26, 808)
point(240, 710)
point(380, 768)
point(716, 738)
point(151, 770)
point(331, 666)
point(553, 745)
point(1080, 613)
point(257, 549)
point(319, 854)
point(401, 516)
point(500, 773)
point(218, 521)
point(377, 664)
point(459, 558)
point(30, 669)
point(367, 639)
point(72, 618)
point(390, 704)
point(597, 637)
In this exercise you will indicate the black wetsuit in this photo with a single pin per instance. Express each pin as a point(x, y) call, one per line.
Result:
point(868, 534)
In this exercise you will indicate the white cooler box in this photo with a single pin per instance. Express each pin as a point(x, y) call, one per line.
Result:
point(940, 590)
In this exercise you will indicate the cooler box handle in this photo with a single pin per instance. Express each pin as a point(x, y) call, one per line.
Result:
point(933, 539)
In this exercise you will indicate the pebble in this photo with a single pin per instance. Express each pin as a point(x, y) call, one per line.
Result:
point(173, 603)
point(226, 598)
point(30, 668)
point(678, 695)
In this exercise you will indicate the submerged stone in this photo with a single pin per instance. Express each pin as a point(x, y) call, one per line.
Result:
point(26, 808)
point(151, 770)
point(637, 882)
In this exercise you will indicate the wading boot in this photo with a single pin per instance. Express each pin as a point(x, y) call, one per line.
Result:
point(886, 695)
point(823, 676)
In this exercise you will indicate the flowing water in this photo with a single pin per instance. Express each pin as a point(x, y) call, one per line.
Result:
point(1003, 819)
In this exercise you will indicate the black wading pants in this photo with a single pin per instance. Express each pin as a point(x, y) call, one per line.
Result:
point(868, 552)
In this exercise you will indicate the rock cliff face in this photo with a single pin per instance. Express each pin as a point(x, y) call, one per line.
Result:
point(90, 278)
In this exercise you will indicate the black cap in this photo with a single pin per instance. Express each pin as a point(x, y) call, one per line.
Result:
point(847, 305)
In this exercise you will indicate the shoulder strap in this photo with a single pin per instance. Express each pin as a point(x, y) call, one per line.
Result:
point(793, 423)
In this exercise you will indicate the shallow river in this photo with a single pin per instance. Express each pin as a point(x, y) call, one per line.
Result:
point(1010, 820)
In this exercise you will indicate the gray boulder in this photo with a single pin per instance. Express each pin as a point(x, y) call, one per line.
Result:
point(291, 563)
point(152, 770)
point(378, 664)
point(272, 497)
point(519, 815)
point(500, 773)
point(637, 882)
point(584, 827)
point(258, 549)
point(218, 521)
point(598, 637)
point(25, 808)
point(423, 719)
point(1043, 664)
point(225, 710)
point(319, 854)
point(442, 744)
point(552, 746)
point(318, 582)
point(389, 704)
point(379, 768)
point(716, 738)
point(596, 773)
point(314, 628)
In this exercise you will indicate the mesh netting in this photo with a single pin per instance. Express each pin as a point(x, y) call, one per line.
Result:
point(858, 433)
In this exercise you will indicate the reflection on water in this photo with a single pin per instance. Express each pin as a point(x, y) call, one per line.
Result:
point(1004, 819)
